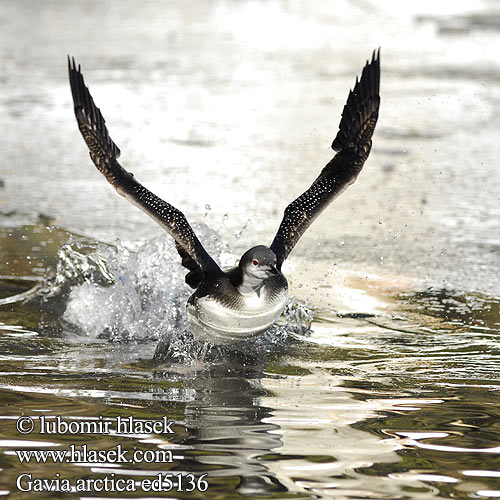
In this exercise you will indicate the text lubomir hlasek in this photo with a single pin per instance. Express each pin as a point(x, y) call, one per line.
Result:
point(123, 425)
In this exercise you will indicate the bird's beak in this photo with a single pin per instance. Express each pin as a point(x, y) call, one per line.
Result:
point(274, 270)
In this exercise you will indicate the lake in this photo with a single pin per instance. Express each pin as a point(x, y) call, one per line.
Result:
point(382, 378)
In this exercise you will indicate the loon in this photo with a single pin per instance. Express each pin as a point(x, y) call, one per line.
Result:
point(232, 306)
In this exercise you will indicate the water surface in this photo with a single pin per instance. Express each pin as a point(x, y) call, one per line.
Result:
point(227, 110)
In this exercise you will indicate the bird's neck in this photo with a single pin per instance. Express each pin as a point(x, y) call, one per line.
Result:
point(250, 285)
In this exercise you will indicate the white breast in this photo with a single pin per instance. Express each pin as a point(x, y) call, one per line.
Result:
point(213, 322)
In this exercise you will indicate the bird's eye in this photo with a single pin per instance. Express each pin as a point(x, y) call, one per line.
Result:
point(255, 262)
point(275, 261)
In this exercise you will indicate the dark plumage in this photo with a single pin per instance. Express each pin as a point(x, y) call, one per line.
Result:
point(352, 144)
point(105, 153)
point(239, 303)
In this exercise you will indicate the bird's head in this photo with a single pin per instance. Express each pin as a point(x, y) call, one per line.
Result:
point(259, 262)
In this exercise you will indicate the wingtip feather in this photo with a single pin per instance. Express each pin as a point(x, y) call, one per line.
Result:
point(362, 101)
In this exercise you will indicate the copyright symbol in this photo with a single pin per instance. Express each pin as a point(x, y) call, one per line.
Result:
point(25, 425)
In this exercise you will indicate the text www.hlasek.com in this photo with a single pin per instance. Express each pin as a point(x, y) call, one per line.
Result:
point(82, 454)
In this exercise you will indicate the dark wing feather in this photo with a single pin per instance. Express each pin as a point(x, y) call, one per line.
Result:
point(352, 144)
point(195, 275)
point(104, 154)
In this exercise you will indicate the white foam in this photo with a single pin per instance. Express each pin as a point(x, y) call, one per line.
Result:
point(140, 294)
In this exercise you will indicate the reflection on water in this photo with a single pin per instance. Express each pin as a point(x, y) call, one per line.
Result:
point(393, 391)
point(389, 404)
point(459, 309)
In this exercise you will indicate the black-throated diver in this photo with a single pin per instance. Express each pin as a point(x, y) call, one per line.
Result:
point(231, 306)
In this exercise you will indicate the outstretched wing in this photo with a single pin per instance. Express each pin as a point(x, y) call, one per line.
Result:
point(352, 144)
point(104, 153)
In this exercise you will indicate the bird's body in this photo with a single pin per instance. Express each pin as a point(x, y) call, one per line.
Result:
point(241, 302)
point(232, 306)
point(219, 313)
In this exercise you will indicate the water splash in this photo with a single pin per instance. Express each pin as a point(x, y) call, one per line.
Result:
point(139, 294)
